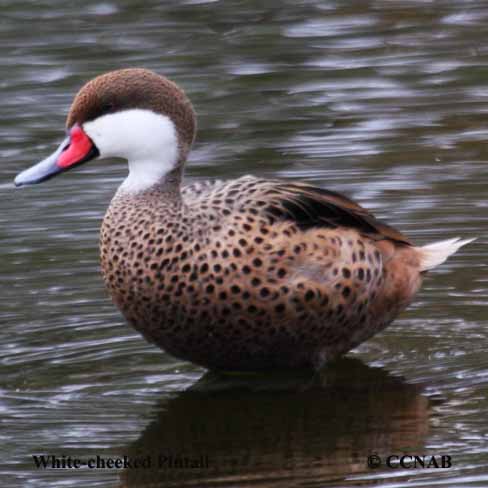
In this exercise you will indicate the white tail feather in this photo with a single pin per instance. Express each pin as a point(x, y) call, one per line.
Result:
point(436, 253)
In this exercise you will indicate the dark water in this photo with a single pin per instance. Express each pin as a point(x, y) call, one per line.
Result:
point(386, 101)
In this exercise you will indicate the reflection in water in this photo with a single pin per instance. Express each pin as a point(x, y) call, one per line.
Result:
point(280, 428)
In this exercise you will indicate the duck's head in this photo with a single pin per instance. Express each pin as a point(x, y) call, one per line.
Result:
point(133, 114)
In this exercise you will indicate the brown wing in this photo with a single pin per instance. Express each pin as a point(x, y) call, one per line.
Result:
point(310, 207)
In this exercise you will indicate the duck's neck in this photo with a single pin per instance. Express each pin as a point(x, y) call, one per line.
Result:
point(139, 184)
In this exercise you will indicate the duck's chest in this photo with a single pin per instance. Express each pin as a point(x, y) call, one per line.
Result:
point(141, 245)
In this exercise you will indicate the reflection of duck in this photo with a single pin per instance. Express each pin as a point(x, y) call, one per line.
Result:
point(273, 429)
point(241, 275)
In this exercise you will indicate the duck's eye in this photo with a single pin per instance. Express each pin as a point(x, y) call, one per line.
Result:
point(107, 107)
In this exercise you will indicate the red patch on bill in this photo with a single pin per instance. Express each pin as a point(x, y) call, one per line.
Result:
point(79, 147)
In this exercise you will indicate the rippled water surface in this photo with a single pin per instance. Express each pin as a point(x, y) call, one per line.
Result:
point(386, 101)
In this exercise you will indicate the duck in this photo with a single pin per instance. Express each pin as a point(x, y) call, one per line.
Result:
point(249, 274)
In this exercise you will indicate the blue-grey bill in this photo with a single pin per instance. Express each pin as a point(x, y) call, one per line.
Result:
point(42, 171)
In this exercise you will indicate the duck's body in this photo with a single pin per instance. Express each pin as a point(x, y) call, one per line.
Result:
point(249, 274)
point(254, 274)
point(234, 276)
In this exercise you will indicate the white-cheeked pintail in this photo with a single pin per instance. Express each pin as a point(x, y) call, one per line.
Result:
point(247, 274)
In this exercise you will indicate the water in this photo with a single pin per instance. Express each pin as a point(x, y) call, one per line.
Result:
point(384, 101)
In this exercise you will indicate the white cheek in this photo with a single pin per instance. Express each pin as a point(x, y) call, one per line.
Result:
point(148, 140)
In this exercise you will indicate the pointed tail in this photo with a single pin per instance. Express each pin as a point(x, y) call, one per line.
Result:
point(436, 253)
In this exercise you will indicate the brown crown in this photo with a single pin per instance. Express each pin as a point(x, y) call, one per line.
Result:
point(135, 88)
